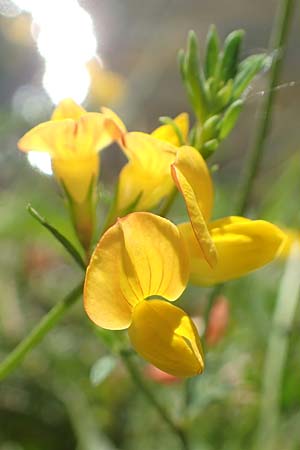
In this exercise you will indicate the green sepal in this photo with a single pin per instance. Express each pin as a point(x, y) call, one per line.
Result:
point(169, 121)
point(58, 236)
point(210, 128)
point(247, 70)
point(212, 52)
point(229, 60)
point(230, 118)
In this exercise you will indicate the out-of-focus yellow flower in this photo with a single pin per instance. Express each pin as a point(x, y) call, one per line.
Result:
point(73, 138)
point(107, 87)
point(243, 245)
point(138, 261)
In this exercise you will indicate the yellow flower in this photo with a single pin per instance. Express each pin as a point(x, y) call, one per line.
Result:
point(73, 138)
point(138, 261)
point(155, 165)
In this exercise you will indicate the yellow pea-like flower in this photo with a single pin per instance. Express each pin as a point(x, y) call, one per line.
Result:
point(155, 165)
point(243, 245)
point(73, 138)
point(139, 258)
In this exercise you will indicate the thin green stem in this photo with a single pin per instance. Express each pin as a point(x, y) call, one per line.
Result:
point(36, 335)
point(144, 388)
point(277, 46)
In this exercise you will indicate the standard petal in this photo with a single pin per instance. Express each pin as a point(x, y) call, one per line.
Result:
point(242, 245)
point(157, 253)
point(68, 109)
point(108, 295)
point(51, 137)
point(166, 336)
point(192, 179)
point(167, 133)
point(68, 138)
point(147, 173)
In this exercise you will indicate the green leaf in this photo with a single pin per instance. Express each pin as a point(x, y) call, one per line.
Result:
point(230, 117)
point(247, 70)
point(212, 52)
point(195, 78)
point(229, 61)
point(102, 369)
point(60, 237)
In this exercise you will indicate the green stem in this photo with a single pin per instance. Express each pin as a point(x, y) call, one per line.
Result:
point(277, 44)
point(36, 335)
point(136, 377)
point(277, 351)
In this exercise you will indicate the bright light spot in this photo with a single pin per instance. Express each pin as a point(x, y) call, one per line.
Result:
point(71, 81)
point(40, 161)
point(9, 9)
point(65, 38)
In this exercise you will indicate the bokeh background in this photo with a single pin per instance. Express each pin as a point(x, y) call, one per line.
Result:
point(70, 393)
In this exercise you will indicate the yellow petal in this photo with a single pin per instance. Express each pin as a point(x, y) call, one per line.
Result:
point(77, 174)
point(140, 256)
point(68, 138)
point(108, 296)
point(48, 137)
point(167, 133)
point(68, 109)
point(114, 117)
point(243, 245)
point(165, 336)
point(147, 173)
point(192, 179)
point(157, 253)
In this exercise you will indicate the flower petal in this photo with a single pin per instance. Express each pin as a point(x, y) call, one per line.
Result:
point(166, 336)
point(68, 138)
point(114, 117)
point(147, 173)
point(50, 137)
point(68, 109)
point(157, 253)
point(76, 175)
point(167, 133)
point(192, 179)
point(141, 255)
point(243, 245)
point(108, 296)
